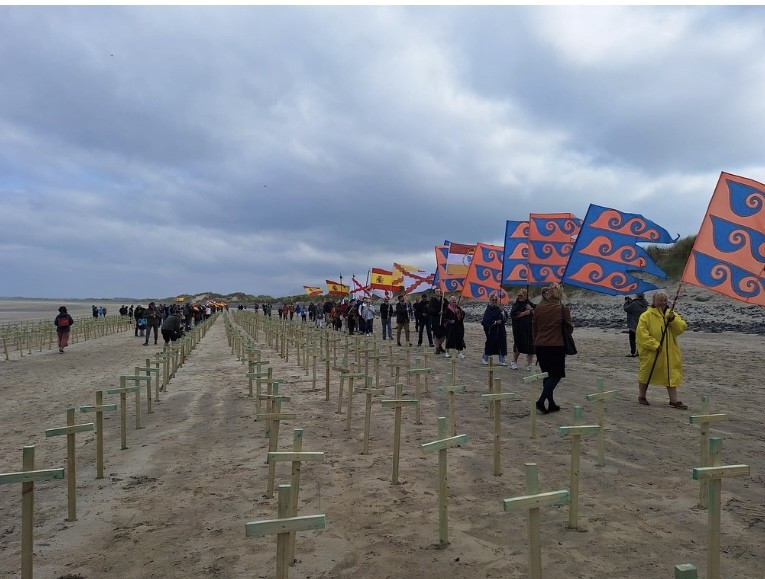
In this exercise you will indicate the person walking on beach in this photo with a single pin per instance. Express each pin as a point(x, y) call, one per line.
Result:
point(423, 317)
point(402, 321)
point(436, 307)
point(523, 338)
point(634, 309)
point(660, 360)
point(386, 316)
point(493, 322)
point(454, 322)
point(152, 316)
point(367, 315)
point(171, 327)
point(547, 327)
point(63, 323)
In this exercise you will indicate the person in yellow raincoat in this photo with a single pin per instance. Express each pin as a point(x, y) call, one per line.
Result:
point(668, 368)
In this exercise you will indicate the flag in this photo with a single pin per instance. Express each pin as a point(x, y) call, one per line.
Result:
point(336, 289)
point(359, 291)
point(457, 263)
point(411, 278)
point(313, 291)
point(382, 279)
point(515, 258)
point(442, 253)
point(606, 251)
point(551, 237)
point(484, 277)
point(728, 256)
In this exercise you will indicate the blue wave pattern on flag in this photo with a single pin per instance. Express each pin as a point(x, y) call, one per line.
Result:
point(484, 277)
point(551, 237)
point(515, 258)
point(606, 251)
point(714, 273)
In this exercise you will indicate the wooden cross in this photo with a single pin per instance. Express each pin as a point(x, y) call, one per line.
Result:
point(295, 457)
point(530, 379)
point(532, 503)
point(274, 418)
point(99, 409)
point(685, 571)
point(282, 527)
point(576, 432)
point(369, 391)
point(450, 388)
point(397, 404)
point(27, 477)
point(123, 391)
point(417, 371)
point(326, 361)
point(156, 373)
point(147, 379)
point(713, 474)
point(496, 398)
point(600, 411)
point(351, 374)
point(441, 446)
point(377, 356)
point(703, 420)
point(123, 381)
point(490, 372)
point(71, 429)
point(258, 374)
point(164, 356)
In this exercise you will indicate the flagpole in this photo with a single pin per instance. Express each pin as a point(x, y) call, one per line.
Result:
point(661, 341)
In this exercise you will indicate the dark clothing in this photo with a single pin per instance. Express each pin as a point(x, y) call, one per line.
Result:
point(455, 328)
point(635, 309)
point(402, 313)
point(493, 322)
point(63, 323)
point(171, 328)
point(386, 311)
point(523, 337)
point(436, 306)
point(152, 315)
point(423, 319)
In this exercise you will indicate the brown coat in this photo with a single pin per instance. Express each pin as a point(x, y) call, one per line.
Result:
point(546, 324)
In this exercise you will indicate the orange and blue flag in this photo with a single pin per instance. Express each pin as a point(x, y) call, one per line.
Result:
point(728, 256)
point(515, 258)
point(551, 237)
point(484, 277)
point(606, 252)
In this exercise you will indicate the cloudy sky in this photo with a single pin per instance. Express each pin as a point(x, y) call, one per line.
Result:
point(149, 151)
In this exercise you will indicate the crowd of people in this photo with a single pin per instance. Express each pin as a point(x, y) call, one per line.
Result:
point(538, 330)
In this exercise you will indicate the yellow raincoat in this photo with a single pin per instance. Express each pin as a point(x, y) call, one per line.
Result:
point(648, 334)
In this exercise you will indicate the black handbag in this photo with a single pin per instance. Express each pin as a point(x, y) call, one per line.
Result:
point(568, 341)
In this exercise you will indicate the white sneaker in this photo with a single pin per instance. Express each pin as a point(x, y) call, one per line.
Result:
point(513, 366)
point(484, 362)
point(502, 364)
point(461, 355)
point(446, 355)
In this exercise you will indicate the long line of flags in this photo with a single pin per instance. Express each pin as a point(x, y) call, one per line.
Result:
point(598, 253)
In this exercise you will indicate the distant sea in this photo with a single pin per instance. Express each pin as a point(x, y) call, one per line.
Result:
point(26, 309)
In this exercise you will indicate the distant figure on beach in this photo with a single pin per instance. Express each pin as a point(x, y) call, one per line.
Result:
point(367, 315)
point(140, 320)
point(402, 321)
point(63, 323)
point(547, 327)
point(95, 311)
point(436, 307)
point(152, 315)
point(634, 309)
point(423, 319)
point(493, 322)
point(171, 327)
point(454, 322)
point(523, 336)
point(660, 360)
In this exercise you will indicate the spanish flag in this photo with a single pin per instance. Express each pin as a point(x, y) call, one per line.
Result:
point(382, 279)
point(336, 289)
point(313, 291)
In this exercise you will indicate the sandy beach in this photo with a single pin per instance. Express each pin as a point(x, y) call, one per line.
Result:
point(175, 503)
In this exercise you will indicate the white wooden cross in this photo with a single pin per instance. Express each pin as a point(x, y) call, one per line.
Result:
point(600, 411)
point(496, 398)
point(576, 432)
point(704, 420)
point(530, 379)
point(714, 473)
point(282, 527)
point(532, 503)
point(99, 409)
point(441, 445)
point(397, 404)
point(71, 429)
point(27, 477)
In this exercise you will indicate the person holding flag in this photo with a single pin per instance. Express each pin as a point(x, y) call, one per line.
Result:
point(660, 361)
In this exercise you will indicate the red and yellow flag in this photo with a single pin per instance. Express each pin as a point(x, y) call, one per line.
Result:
point(382, 279)
point(312, 290)
point(336, 289)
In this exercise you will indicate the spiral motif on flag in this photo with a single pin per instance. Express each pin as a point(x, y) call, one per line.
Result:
point(730, 237)
point(521, 230)
point(519, 251)
point(745, 201)
point(490, 255)
point(519, 272)
point(480, 292)
point(487, 274)
point(727, 278)
point(546, 272)
point(591, 273)
point(612, 220)
point(453, 285)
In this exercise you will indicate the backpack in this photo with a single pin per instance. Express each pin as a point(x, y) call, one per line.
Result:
point(63, 322)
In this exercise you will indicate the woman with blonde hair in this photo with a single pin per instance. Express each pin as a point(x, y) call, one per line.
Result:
point(660, 360)
point(547, 326)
